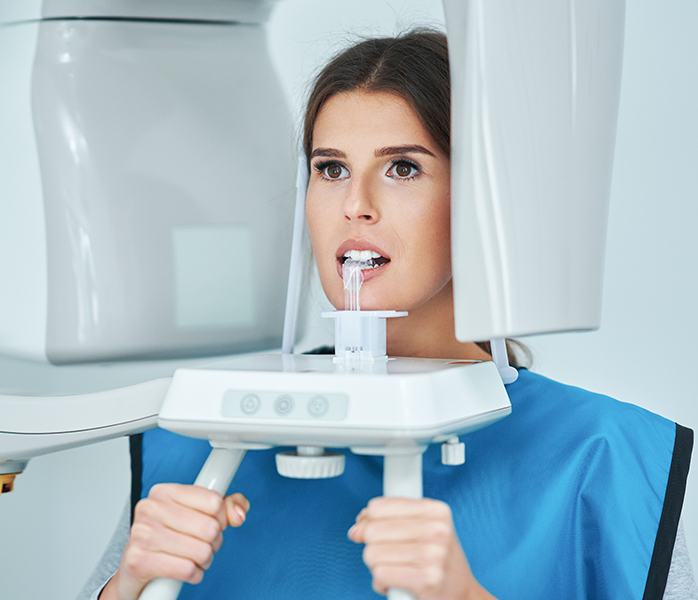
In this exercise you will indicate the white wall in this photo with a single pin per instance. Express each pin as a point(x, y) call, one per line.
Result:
point(66, 505)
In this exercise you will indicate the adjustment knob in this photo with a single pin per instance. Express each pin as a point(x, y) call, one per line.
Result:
point(453, 452)
point(302, 465)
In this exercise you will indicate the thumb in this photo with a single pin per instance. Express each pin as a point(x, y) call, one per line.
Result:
point(236, 508)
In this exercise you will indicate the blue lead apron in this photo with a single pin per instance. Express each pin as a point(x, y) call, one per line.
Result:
point(574, 495)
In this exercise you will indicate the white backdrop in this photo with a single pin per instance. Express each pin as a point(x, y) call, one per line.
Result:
point(56, 523)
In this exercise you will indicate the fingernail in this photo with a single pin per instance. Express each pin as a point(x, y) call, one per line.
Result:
point(352, 530)
point(240, 512)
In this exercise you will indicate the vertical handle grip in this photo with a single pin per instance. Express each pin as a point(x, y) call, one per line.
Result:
point(402, 476)
point(216, 474)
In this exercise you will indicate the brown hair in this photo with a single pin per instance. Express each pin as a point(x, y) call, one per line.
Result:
point(414, 66)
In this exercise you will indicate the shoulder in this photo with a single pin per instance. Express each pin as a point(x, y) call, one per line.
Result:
point(625, 467)
point(617, 448)
point(584, 414)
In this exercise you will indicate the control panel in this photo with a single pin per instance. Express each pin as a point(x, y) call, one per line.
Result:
point(281, 405)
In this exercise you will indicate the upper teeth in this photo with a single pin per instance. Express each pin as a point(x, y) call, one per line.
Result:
point(361, 255)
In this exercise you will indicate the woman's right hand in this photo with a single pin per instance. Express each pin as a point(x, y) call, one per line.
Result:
point(176, 531)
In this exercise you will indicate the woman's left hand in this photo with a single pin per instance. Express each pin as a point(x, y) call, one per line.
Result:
point(412, 544)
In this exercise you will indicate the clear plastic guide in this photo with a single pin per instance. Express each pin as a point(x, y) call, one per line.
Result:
point(353, 277)
point(359, 335)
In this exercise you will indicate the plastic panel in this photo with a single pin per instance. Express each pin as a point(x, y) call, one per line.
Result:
point(22, 220)
point(535, 91)
point(246, 11)
point(166, 155)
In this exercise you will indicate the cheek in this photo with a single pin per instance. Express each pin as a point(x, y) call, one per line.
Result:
point(320, 219)
point(440, 234)
point(315, 215)
point(426, 236)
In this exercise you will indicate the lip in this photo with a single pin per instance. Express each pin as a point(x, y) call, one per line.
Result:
point(361, 245)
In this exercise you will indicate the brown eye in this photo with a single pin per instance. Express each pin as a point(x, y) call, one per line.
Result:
point(331, 170)
point(334, 171)
point(404, 169)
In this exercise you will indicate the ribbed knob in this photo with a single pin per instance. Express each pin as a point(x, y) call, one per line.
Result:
point(291, 464)
point(453, 452)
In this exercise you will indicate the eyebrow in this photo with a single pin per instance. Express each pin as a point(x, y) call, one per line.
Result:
point(328, 152)
point(385, 151)
point(407, 149)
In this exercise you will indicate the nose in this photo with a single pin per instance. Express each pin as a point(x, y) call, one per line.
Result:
point(359, 205)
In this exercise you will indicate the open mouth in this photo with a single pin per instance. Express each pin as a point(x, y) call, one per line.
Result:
point(371, 258)
point(374, 259)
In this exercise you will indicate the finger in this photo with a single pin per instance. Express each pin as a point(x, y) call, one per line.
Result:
point(369, 531)
point(218, 542)
point(405, 554)
point(419, 581)
point(240, 499)
point(147, 565)
point(236, 513)
point(174, 516)
point(191, 496)
point(361, 515)
point(159, 539)
point(233, 510)
point(384, 507)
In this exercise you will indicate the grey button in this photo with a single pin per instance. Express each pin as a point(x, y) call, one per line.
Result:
point(318, 406)
point(283, 405)
point(249, 404)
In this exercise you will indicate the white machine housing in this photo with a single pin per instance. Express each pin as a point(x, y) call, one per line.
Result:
point(534, 101)
point(130, 172)
point(136, 219)
point(311, 400)
point(143, 228)
point(132, 138)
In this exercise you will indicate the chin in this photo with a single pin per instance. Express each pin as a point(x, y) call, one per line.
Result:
point(371, 301)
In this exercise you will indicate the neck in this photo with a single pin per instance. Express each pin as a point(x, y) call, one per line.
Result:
point(429, 332)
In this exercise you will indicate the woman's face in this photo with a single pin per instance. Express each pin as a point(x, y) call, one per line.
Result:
point(379, 182)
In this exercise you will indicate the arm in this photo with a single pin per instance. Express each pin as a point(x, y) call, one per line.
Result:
point(681, 584)
point(109, 562)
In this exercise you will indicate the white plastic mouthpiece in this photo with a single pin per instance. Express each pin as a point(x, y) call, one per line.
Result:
point(359, 335)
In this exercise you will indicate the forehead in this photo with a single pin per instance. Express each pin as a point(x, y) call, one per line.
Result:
point(368, 118)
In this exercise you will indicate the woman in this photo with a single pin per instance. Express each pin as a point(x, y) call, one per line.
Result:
point(575, 495)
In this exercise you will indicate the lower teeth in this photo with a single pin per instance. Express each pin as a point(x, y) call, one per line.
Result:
point(369, 264)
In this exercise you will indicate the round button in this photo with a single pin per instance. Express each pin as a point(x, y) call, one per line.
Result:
point(318, 406)
point(249, 404)
point(283, 405)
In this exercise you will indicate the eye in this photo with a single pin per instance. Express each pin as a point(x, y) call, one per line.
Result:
point(331, 170)
point(403, 169)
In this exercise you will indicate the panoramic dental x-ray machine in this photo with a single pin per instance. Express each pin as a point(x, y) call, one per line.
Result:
point(148, 241)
